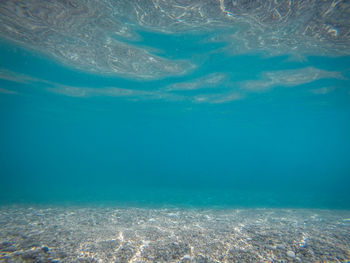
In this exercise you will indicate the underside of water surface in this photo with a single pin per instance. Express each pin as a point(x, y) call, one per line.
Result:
point(209, 103)
point(174, 131)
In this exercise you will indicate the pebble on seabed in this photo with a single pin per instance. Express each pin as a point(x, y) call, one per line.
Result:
point(45, 249)
point(290, 254)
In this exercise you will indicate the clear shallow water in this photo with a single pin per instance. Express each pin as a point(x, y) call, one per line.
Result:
point(229, 104)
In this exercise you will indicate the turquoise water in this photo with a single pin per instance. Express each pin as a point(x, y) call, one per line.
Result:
point(210, 104)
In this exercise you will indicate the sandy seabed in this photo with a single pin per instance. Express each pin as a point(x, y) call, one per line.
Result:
point(109, 234)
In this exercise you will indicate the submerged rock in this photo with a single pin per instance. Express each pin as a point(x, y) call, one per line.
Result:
point(290, 254)
point(45, 249)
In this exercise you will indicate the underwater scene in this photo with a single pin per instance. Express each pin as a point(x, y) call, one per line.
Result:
point(174, 131)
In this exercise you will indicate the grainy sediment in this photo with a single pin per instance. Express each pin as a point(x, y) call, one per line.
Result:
point(108, 234)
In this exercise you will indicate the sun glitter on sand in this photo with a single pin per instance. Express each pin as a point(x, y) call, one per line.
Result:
point(107, 234)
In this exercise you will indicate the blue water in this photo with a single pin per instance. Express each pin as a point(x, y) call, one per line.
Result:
point(234, 125)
